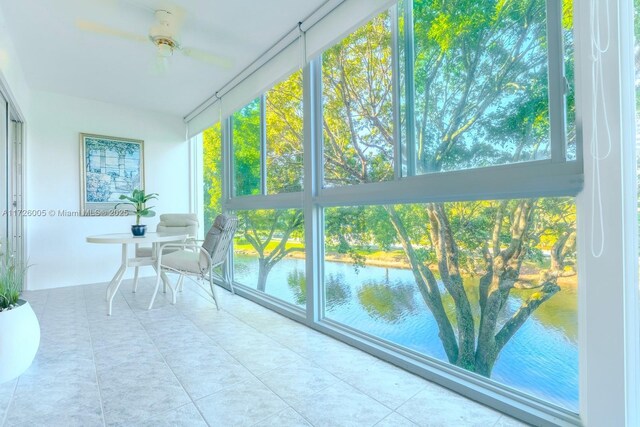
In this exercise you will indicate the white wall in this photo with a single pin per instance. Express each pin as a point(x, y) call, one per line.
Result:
point(56, 246)
point(11, 73)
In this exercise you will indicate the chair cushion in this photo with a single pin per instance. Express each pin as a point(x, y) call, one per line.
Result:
point(184, 260)
point(179, 223)
point(146, 251)
point(179, 220)
point(213, 236)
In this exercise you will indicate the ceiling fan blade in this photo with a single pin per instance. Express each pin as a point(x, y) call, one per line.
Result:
point(207, 57)
point(95, 27)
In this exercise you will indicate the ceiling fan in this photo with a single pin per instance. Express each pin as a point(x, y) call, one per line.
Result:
point(164, 35)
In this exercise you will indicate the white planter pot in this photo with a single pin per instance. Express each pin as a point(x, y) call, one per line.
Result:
point(19, 340)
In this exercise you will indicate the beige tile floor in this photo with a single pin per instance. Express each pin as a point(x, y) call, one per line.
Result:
point(190, 365)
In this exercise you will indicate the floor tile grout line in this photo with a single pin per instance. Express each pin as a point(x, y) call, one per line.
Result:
point(160, 353)
point(280, 412)
point(331, 373)
point(93, 356)
point(13, 396)
point(412, 396)
point(394, 412)
point(313, 362)
point(193, 401)
point(283, 399)
point(238, 361)
point(196, 315)
point(349, 383)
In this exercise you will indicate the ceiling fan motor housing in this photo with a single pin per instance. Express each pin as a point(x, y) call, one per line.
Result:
point(162, 34)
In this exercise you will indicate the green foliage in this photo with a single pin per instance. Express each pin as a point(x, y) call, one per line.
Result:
point(212, 173)
point(138, 201)
point(337, 292)
point(298, 284)
point(284, 126)
point(480, 99)
point(268, 232)
point(358, 107)
point(261, 227)
point(389, 302)
point(12, 275)
point(246, 149)
point(480, 82)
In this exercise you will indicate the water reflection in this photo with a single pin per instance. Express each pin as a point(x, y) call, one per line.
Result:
point(337, 291)
point(390, 303)
point(541, 359)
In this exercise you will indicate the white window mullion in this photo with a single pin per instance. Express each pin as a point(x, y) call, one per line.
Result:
point(263, 146)
point(313, 171)
point(228, 183)
point(410, 121)
point(557, 83)
point(395, 69)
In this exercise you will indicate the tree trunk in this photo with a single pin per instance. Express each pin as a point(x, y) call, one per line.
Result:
point(263, 272)
point(428, 287)
point(565, 244)
point(448, 265)
point(505, 272)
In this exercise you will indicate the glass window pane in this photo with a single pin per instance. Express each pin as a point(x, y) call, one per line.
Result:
point(284, 136)
point(269, 253)
point(357, 106)
point(246, 149)
point(489, 286)
point(212, 173)
point(481, 83)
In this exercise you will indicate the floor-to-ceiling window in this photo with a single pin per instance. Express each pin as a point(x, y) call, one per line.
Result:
point(489, 286)
point(441, 203)
point(267, 166)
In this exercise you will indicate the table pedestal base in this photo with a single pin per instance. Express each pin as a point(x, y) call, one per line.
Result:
point(126, 262)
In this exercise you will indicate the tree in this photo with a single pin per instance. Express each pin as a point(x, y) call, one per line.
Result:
point(212, 173)
point(246, 149)
point(269, 231)
point(284, 126)
point(480, 100)
point(358, 112)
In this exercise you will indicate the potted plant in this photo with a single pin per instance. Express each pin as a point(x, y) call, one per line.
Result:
point(138, 201)
point(19, 327)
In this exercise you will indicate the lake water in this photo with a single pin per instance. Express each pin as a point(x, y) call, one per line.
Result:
point(541, 359)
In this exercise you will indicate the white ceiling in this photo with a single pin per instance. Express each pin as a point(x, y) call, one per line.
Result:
point(57, 56)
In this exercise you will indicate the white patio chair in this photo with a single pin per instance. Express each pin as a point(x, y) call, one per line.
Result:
point(170, 223)
point(199, 261)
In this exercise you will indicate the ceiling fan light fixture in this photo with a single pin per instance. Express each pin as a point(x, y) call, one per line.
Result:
point(164, 46)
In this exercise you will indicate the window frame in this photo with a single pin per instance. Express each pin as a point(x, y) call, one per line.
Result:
point(555, 176)
point(540, 178)
point(263, 201)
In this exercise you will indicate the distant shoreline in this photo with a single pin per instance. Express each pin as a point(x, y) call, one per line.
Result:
point(568, 281)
